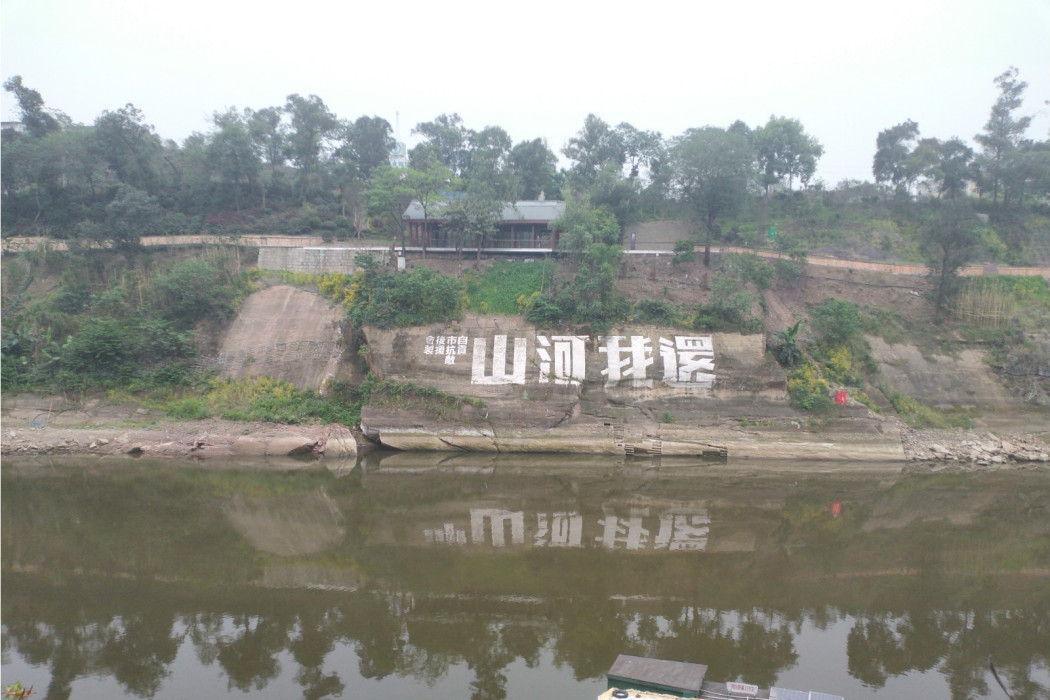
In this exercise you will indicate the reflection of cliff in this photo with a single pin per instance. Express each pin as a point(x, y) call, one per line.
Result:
point(298, 524)
point(919, 587)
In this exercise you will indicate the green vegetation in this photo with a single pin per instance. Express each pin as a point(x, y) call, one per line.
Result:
point(919, 415)
point(377, 297)
point(264, 399)
point(114, 319)
point(503, 285)
point(114, 322)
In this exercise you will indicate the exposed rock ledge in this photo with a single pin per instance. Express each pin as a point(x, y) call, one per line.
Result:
point(199, 439)
point(968, 447)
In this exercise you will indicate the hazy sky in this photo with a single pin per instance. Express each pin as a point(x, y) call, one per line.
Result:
point(846, 70)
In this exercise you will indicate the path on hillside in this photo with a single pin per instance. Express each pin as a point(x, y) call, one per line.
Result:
point(27, 244)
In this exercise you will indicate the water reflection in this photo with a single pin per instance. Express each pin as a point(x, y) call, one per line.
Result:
point(417, 568)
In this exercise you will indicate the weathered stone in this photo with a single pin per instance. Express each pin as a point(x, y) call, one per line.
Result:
point(340, 443)
point(283, 445)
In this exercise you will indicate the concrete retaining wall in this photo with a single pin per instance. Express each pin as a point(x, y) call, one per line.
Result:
point(311, 260)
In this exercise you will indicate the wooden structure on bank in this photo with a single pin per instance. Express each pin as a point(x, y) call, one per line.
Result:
point(524, 225)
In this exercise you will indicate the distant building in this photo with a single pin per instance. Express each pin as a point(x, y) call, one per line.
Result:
point(17, 127)
point(525, 224)
point(399, 155)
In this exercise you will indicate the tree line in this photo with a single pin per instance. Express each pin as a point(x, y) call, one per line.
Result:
point(299, 167)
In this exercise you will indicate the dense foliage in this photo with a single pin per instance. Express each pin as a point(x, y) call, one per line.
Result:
point(298, 167)
point(114, 321)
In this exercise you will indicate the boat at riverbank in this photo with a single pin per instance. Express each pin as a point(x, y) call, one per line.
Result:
point(643, 678)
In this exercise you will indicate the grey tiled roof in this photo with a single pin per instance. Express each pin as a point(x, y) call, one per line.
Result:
point(526, 210)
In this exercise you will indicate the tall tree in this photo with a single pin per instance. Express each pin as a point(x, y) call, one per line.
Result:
point(367, 143)
point(130, 147)
point(488, 164)
point(313, 126)
point(387, 197)
point(38, 121)
point(591, 150)
point(269, 133)
point(232, 154)
point(446, 139)
point(643, 151)
point(430, 186)
point(945, 164)
point(535, 167)
point(949, 240)
point(1003, 133)
point(712, 172)
point(893, 162)
point(786, 151)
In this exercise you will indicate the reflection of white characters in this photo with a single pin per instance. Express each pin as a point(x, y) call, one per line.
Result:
point(689, 361)
point(623, 362)
point(449, 534)
point(567, 354)
point(683, 532)
point(561, 530)
point(499, 361)
point(628, 533)
point(497, 521)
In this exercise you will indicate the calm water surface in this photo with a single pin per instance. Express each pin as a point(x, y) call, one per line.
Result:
point(518, 577)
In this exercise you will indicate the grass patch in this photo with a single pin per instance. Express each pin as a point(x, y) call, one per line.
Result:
point(918, 415)
point(263, 399)
point(499, 288)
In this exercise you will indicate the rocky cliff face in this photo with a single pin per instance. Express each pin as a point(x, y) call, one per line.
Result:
point(637, 390)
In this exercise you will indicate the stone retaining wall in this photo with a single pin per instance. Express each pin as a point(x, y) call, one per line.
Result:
point(317, 261)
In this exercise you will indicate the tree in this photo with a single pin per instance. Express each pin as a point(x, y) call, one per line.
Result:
point(583, 225)
point(1002, 133)
point(232, 154)
point(313, 125)
point(367, 143)
point(130, 215)
point(487, 165)
point(430, 186)
point(946, 164)
point(594, 146)
point(38, 121)
point(130, 147)
point(785, 150)
point(643, 151)
point(388, 195)
point(535, 168)
point(471, 221)
point(949, 240)
point(268, 132)
point(893, 160)
point(712, 172)
point(446, 139)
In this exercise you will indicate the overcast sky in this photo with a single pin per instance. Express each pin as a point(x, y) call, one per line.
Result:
point(846, 70)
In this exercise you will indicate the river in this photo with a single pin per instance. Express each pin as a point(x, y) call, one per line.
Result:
point(519, 577)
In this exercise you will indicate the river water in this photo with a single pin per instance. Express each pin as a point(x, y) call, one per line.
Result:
point(518, 577)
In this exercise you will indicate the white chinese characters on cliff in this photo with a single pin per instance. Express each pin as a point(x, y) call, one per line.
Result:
point(680, 361)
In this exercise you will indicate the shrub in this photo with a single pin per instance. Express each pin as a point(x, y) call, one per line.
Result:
point(684, 251)
point(807, 389)
point(836, 320)
point(657, 312)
